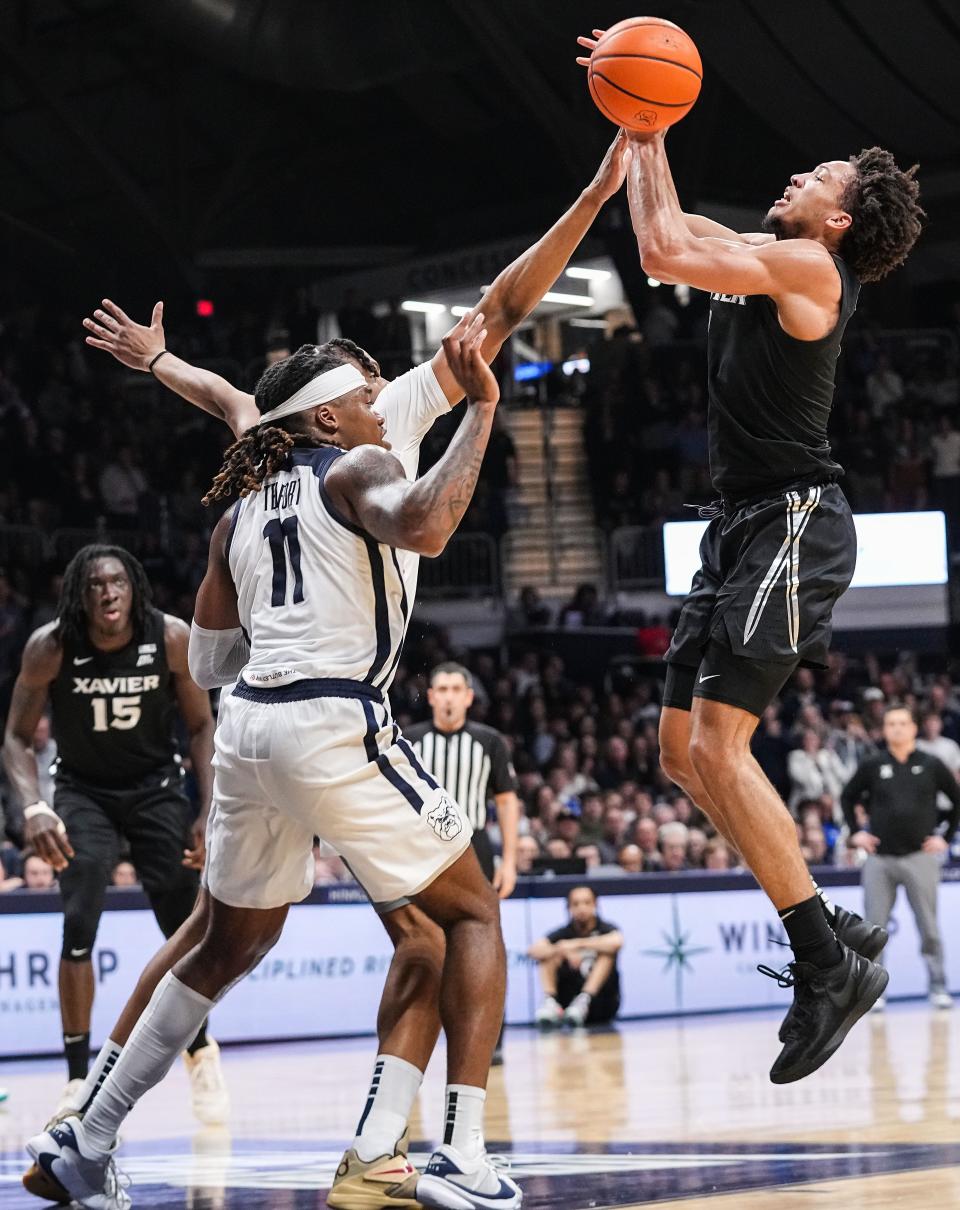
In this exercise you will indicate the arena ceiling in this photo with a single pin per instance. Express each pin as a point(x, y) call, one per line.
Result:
point(134, 132)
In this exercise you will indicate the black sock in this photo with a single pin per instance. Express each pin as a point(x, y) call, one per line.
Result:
point(199, 1041)
point(829, 909)
point(76, 1047)
point(810, 934)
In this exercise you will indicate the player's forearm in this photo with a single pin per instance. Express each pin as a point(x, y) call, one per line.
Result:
point(659, 223)
point(201, 757)
point(21, 766)
point(508, 817)
point(610, 943)
point(523, 283)
point(434, 505)
point(203, 389)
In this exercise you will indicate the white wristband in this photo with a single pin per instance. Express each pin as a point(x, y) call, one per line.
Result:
point(41, 808)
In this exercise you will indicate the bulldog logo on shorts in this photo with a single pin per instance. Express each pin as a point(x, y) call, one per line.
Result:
point(445, 819)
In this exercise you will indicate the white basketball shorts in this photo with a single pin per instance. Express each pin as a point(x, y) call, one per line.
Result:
point(322, 758)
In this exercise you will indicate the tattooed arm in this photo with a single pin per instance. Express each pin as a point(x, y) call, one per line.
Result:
point(369, 485)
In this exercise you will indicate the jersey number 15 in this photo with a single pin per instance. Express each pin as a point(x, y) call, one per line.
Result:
point(284, 539)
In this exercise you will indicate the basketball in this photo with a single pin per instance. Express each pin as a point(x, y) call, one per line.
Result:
point(645, 74)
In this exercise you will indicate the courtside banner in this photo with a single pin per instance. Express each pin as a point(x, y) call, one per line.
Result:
point(685, 951)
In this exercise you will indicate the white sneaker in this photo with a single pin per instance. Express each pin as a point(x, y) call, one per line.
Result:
point(69, 1102)
point(577, 1010)
point(549, 1013)
point(941, 1000)
point(91, 1180)
point(211, 1101)
point(452, 1182)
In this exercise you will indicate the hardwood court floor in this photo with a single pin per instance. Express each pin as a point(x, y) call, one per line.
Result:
point(667, 1113)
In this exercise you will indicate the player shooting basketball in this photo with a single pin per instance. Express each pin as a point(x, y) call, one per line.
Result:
point(781, 547)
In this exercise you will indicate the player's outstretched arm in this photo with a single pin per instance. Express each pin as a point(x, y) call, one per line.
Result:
point(137, 346)
point(798, 274)
point(43, 829)
point(369, 484)
point(522, 284)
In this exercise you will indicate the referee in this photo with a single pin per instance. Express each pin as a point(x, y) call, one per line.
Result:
point(472, 763)
point(906, 836)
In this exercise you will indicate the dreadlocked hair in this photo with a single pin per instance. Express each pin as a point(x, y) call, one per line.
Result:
point(883, 203)
point(71, 616)
point(261, 452)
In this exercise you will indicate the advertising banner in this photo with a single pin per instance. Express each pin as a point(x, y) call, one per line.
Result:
point(684, 952)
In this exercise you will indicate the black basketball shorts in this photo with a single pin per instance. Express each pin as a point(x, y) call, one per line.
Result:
point(761, 604)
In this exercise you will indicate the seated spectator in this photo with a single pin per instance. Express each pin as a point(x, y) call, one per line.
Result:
point(645, 835)
point(814, 770)
point(614, 828)
point(37, 874)
point(696, 847)
point(527, 853)
point(673, 839)
point(566, 825)
point(813, 841)
point(630, 859)
point(578, 966)
point(716, 855)
point(124, 874)
point(529, 611)
point(583, 609)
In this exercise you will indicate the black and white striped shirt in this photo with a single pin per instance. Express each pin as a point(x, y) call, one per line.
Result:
point(472, 764)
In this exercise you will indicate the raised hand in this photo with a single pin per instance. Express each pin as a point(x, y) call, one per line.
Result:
point(613, 169)
point(590, 45)
point(47, 835)
point(133, 345)
point(462, 346)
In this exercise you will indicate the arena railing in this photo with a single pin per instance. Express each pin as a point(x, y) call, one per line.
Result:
point(469, 567)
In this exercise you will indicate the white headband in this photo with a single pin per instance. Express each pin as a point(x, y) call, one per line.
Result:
point(322, 389)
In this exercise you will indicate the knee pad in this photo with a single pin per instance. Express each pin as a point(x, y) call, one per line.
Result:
point(82, 887)
point(173, 904)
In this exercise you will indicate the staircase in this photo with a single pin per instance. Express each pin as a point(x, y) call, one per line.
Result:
point(553, 543)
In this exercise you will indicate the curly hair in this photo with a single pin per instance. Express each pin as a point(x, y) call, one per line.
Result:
point(261, 452)
point(883, 203)
point(71, 615)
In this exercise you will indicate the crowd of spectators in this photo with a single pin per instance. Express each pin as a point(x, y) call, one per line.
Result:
point(894, 425)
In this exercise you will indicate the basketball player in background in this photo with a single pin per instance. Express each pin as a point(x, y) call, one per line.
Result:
point(114, 670)
point(408, 1023)
point(306, 745)
point(781, 548)
point(473, 762)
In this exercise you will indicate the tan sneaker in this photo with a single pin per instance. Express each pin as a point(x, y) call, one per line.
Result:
point(390, 1180)
point(36, 1181)
point(211, 1101)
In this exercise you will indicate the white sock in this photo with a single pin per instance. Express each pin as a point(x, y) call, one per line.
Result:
point(393, 1090)
point(101, 1068)
point(168, 1023)
point(464, 1125)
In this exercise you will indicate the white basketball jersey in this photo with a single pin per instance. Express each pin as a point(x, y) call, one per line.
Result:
point(318, 596)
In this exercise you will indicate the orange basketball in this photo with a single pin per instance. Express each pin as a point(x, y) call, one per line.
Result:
point(645, 73)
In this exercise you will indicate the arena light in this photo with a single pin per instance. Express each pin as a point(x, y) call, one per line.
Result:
point(652, 282)
point(425, 308)
point(587, 323)
point(460, 311)
point(569, 300)
point(589, 274)
point(205, 308)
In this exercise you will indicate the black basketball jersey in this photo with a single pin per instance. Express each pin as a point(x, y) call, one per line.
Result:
point(770, 394)
point(113, 711)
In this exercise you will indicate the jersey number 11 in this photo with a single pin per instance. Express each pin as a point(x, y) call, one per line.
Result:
point(284, 539)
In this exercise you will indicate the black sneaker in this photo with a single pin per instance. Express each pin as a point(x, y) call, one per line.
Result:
point(826, 1006)
point(856, 934)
